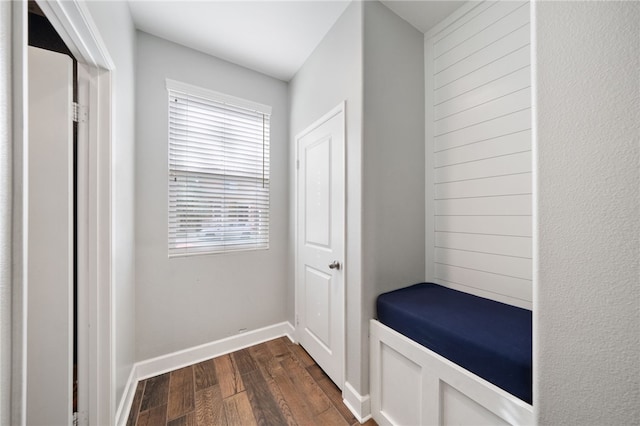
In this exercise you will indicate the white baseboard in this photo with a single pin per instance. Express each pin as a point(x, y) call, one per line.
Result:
point(127, 397)
point(173, 361)
point(162, 364)
point(359, 405)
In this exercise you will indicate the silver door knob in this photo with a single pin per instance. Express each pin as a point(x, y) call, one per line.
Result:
point(334, 265)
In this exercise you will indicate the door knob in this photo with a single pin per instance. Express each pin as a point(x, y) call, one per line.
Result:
point(334, 265)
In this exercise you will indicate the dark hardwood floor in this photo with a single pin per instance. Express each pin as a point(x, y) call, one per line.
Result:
point(273, 383)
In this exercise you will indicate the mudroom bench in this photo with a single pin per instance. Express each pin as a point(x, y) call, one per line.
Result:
point(443, 357)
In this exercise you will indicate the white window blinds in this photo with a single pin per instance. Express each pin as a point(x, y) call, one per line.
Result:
point(218, 172)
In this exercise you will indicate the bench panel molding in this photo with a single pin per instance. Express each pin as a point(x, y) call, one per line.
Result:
point(444, 388)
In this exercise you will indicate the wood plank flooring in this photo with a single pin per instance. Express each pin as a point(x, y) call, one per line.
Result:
point(273, 383)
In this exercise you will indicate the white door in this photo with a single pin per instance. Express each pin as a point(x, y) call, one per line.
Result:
point(50, 239)
point(320, 253)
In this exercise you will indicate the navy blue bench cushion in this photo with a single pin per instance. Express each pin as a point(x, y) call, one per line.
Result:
point(488, 338)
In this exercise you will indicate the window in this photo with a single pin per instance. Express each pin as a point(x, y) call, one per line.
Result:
point(218, 172)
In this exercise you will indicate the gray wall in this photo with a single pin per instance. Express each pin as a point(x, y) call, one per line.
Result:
point(393, 237)
point(587, 299)
point(332, 74)
point(374, 60)
point(116, 28)
point(187, 301)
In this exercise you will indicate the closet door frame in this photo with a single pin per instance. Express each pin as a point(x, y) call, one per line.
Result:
point(73, 22)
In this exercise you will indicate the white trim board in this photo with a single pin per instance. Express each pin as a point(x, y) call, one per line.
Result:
point(20, 149)
point(173, 361)
point(360, 406)
point(124, 407)
point(205, 93)
point(72, 21)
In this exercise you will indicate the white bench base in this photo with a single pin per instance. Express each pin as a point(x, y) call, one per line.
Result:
point(412, 385)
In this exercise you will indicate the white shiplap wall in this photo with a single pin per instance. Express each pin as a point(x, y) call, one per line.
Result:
point(479, 151)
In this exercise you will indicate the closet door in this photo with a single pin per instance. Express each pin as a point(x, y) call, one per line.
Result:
point(320, 253)
point(50, 239)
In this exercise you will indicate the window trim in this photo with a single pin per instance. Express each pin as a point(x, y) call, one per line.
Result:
point(225, 99)
point(217, 96)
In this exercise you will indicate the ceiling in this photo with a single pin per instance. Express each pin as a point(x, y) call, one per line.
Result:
point(423, 14)
point(272, 37)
